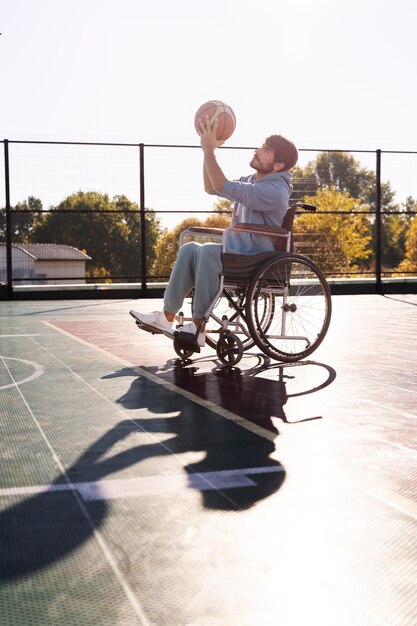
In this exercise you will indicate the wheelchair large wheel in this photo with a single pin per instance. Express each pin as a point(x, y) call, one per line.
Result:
point(300, 316)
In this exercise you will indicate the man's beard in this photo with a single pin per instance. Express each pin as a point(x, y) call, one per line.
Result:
point(259, 168)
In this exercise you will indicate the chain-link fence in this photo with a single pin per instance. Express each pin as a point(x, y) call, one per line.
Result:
point(94, 218)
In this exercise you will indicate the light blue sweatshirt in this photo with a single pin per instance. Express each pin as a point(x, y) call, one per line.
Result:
point(263, 201)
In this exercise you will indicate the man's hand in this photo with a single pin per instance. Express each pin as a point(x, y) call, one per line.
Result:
point(208, 134)
point(213, 175)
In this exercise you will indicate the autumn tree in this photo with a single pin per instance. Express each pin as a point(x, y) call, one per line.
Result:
point(338, 241)
point(409, 263)
point(167, 246)
point(342, 172)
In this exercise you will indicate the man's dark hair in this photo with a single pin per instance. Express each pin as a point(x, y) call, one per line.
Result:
point(284, 150)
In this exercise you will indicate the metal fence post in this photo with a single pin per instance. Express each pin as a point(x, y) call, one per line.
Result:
point(378, 225)
point(142, 217)
point(9, 271)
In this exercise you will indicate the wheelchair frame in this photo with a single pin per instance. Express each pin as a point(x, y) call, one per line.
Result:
point(279, 301)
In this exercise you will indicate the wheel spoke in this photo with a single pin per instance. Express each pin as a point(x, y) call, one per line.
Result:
point(300, 314)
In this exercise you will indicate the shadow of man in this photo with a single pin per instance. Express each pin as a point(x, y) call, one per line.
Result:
point(258, 400)
point(237, 471)
point(47, 526)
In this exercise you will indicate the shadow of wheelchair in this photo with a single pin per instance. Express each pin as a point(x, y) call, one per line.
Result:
point(258, 393)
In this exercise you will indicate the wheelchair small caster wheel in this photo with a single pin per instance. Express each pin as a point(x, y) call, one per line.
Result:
point(182, 352)
point(229, 349)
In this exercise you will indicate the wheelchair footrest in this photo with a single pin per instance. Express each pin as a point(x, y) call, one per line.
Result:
point(187, 341)
point(149, 329)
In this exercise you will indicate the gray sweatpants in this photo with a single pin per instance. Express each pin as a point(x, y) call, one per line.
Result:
point(197, 265)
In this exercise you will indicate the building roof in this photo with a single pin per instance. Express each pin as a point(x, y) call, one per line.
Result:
point(52, 252)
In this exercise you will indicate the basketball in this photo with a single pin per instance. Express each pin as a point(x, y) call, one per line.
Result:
point(216, 109)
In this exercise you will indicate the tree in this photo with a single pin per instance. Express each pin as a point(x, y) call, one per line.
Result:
point(341, 241)
point(395, 228)
point(107, 230)
point(24, 217)
point(409, 263)
point(167, 247)
point(341, 172)
point(130, 253)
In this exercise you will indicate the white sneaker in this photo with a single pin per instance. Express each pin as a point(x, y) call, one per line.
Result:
point(191, 328)
point(156, 319)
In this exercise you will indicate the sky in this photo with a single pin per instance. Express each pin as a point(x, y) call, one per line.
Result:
point(327, 74)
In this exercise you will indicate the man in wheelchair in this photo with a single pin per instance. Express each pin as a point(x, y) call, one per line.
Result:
point(260, 198)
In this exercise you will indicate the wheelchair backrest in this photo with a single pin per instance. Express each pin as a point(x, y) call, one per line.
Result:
point(287, 223)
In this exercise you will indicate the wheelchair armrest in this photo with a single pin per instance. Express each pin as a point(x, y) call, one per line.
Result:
point(278, 232)
point(275, 231)
point(206, 230)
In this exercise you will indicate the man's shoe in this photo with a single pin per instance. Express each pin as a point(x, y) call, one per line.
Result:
point(192, 329)
point(156, 319)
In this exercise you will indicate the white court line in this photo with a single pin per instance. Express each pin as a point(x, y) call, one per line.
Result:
point(241, 421)
point(125, 414)
point(258, 430)
point(154, 378)
point(22, 335)
point(219, 410)
point(203, 478)
point(151, 485)
point(262, 432)
point(123, 583)
point(39, 370)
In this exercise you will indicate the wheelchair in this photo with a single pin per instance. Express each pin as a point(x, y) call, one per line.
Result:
point(278, 302)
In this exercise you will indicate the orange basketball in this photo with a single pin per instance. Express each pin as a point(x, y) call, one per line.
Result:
point(217, 109)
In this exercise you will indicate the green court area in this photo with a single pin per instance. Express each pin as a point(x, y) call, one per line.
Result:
point(136, 489)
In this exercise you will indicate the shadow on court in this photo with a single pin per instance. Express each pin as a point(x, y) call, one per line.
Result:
point(49, 525)
point(226, 446)
point(258, 394)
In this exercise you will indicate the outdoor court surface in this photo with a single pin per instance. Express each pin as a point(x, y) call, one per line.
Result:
point(136, 490)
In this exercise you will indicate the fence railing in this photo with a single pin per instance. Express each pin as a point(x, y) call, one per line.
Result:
point(112, 202)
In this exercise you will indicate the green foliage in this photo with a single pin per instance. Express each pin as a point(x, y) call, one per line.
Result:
point(130, 253)
point(341, 241)
point(24, 218)
point(108, 231)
